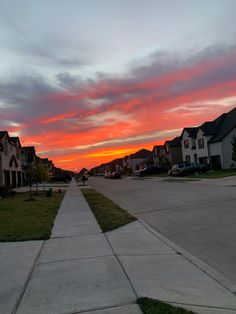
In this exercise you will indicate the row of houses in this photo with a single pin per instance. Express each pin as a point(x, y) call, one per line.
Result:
point(210, 143)
point(16, 160)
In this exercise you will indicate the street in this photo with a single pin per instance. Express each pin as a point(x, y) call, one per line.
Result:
point(200, 218)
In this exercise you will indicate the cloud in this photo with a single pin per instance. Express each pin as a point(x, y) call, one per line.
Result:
point(150, 102)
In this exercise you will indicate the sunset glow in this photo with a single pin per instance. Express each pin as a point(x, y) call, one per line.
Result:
point(82, 104)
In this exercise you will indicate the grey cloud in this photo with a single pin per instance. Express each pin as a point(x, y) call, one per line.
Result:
point(46, 50)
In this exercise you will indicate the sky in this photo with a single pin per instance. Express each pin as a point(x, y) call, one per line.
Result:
point(89, 81)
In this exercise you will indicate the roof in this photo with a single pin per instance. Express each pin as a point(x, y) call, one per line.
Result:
point(142, 153)
point(28, 149)
point(211, 127)
point(3, 134)
point(224, 124)
point(15, 140)
point(175, 142)
point(157, 147)
point(192, 132)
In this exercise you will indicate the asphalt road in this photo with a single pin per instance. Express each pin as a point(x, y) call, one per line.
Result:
point(199, 218)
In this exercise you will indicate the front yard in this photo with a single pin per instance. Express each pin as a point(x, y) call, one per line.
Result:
point(215, 174)
point(22, 219)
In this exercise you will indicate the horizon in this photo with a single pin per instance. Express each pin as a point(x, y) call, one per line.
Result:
point(91, 82)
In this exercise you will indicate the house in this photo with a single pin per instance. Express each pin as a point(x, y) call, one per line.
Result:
point(141, 156)
point(214, 141)
point(188, 143)
point(11, 173)
point(173, 151)
point(156, 155)
point(167, 155)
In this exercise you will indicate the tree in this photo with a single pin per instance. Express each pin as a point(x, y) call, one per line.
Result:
point(40, 173)
point(233, 142)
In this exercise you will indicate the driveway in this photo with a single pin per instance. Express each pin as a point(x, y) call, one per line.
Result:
point(201, 218)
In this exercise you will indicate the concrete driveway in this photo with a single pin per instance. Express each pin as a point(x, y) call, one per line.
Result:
point(198, 216)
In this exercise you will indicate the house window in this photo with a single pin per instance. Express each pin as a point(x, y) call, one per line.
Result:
point(186, 143)
point(187, 158)
point(193, 143)
point(200, 143)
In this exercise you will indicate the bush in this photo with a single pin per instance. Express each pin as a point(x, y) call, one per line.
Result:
point(4, 191)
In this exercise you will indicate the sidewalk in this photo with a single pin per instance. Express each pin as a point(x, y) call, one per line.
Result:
point(82, 270)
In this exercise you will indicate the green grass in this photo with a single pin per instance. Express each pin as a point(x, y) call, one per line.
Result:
point(150, 306)
point(180, 180)
point(215, 174)
point(109, 215)
point(22, 219)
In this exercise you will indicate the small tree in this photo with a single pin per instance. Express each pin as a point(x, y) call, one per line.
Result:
point(40, 173)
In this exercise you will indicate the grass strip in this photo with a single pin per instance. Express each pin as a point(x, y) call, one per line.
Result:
point(150, 306)
point(215, 174)
point(109, 215)
point(22, 219)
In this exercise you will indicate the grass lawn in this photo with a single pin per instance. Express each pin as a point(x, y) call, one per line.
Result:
point(150, 306)
point(21, 219)
point(108, 214)
point(180, 180)
point(215, 174)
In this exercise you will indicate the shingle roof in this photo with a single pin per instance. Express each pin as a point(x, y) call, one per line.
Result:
point(225, 123)
point(175, 142)
point(3, 133)
point(212, 127)
point(142, 153)
point(15, 140)
point(192, 132)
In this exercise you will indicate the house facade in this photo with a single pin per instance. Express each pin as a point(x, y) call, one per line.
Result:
point(211, 142)
point(11, 173)
point(140, 158)
point(173, 151)
point(188, 144)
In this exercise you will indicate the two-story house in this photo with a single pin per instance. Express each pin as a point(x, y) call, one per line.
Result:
point(188, 143)
point(11, 173)
point(220, 144)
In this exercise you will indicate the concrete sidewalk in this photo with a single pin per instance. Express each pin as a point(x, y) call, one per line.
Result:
point(82, 270)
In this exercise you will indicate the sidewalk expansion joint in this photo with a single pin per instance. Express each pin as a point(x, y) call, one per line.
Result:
point(122, 267)
point(114, 306)
point(74, 259)
point(27, 279)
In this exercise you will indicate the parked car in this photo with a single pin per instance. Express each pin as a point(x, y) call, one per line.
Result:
point(149, 170)
point(107, 174)
point(185, 168)
point(116, 175)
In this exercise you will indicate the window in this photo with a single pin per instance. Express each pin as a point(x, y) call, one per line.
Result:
point(186, 143)
point(187, 158)
point(200, 143)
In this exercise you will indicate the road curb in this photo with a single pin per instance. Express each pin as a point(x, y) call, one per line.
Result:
point(208, 270)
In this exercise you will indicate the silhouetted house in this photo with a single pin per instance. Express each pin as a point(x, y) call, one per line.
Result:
point(214, 141)
point(188, 142)
point(140, 157)
point(173, 151)
point(156, 153)
point(11, 173)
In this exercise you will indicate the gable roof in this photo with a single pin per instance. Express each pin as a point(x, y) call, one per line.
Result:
point(15, 140)
point(3, 134)
point(212, 127)
point(192, 132)
point(224, 124)
point(142, 153)
point(176, 142)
